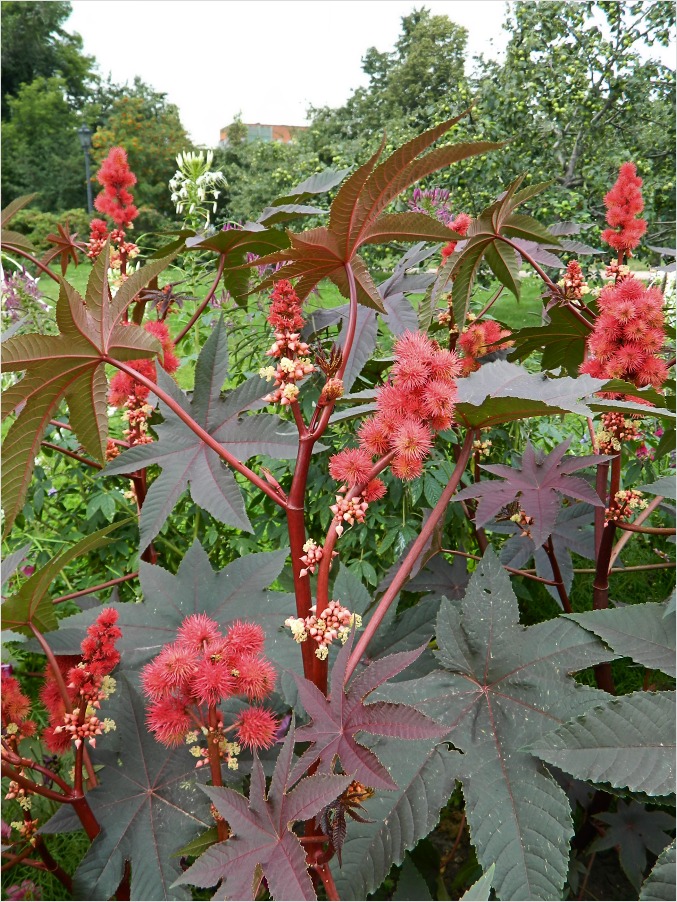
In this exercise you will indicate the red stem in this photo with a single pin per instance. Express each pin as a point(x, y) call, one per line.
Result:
point(78, 457)
point(526, 573)
point(198, 430)
point(106, 585)
point(600, 589)
point(210, 294)
point(407, 564)
point(557, 573)
point(34, 260)
point(325, 875)
point(647, 530)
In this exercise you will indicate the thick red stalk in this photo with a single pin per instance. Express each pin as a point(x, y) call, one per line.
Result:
point(407, 564)
point(557, 573)
point(600, 588)
point(198, 430)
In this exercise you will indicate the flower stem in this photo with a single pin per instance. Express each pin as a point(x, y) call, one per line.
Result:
point(407, 564)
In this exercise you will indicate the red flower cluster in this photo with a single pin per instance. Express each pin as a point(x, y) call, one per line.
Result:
point(87, 681)
point(115, 200)
point(418, 401)
point(15, 710)
point(480, 339)
point(628, 335)
point(201, 669)
point(624, 202)
point(460, 225)
point(123, 387)
point(293, 364)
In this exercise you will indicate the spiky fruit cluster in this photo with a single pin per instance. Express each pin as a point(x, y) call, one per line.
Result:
point(624, 202)
point(115, 200)
point(460, 225)
point(628, 335)
point(124, 388)
point(88, 682)
point(334, 622)
point(417, 401)
point(190, 677)
point(293, 364)
point(311, 557)
point(479, 339)
point(16, 708)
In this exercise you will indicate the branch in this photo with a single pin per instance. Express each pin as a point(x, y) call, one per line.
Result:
point(204, 436)
point(625, 538)
point(210, 294)
point(557, 573)
point(647, 530)
point(405, 569)
point(78, 457)
point(106, 585)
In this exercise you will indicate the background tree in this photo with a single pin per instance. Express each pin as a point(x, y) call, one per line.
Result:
point(40, 147)
point(34, 45)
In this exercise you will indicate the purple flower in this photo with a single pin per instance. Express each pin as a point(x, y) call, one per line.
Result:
point(432, 202)
point(27, 890)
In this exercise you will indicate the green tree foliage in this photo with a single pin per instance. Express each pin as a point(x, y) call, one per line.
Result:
point(578, 98)
point(40, 147)
point(34, 44)
point(150, 130)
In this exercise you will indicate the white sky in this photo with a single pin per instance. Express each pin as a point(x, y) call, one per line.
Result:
point(269, 59)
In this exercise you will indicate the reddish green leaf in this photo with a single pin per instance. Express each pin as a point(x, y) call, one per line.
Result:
point(69, 366)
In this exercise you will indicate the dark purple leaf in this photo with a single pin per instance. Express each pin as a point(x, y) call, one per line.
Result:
point(263, 844)
point(336, 721)
point(537, 485)
point(634, 831)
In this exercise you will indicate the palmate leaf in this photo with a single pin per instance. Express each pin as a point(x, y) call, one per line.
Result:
point(238, 592)
point(500, 392)
point(633, 831)
point(69, 366)
point(628, 742)
point(538, 485)
point(562, 341)
point(263, 844)
point(573, 531)
point(502, 687)
point(66, 247)
point(187, 461)
point(337, 720)
point(319, 183)
point(643, 632)
point(11, 240)
point(659, 886)
point(484, 244)
point(31, 605)
point(426, 775)
point(148, 804)
point(357, 217)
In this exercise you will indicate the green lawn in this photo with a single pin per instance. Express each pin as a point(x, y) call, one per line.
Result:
point(514, 313)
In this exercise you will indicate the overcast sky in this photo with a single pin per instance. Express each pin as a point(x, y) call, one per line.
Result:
point(269, 59)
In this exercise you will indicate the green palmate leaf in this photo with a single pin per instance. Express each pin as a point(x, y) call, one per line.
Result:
point(187, 461)
point(286, 212)
point(356, 217)
point(426, 776)
point(68, 366)
point(562, 341)
point(10, 211)
point(502, 687)
point(239, 591)
point(411, 884)
point(634, 831)
point(149, 805)
point(643, 632)
point(627, 742)
point(10, 564)
point(664, 486)
point(31, 605)
point(484, 244)
point(14, 240)
point(500, 392)
point(263, 843)
point(659, 886)
point(319, 183)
